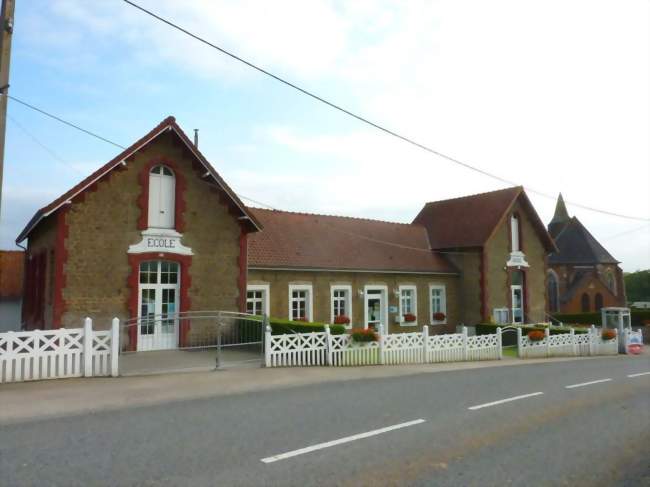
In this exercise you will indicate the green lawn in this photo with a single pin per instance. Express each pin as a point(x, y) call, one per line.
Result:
point(510, 351)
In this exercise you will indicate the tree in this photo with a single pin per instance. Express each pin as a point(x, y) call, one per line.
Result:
point(637, 285)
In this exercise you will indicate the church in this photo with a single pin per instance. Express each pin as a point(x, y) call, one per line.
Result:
point(582, 275)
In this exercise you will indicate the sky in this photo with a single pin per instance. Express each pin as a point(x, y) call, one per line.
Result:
point(551, 94)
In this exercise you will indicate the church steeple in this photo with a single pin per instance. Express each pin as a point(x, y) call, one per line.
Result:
point(560, 218)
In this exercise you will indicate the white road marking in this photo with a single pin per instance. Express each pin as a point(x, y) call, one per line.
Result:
point(501, 401)
point(573, 386)
point(639, 374)
point(340, 441)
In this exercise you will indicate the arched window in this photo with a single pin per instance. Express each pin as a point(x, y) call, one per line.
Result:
point(585, 303)
point(611, 282)
point(162, 189)
point(514, 233)
point(553, 292)
point(598, 302)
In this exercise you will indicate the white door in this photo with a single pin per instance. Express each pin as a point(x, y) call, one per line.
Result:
point(159, 304)
point(517, 297)
point(375, 312)
point(162, 189)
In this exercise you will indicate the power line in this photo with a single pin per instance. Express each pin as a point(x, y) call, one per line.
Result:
point(43, 146)
point(366, 120)
point(70, 124)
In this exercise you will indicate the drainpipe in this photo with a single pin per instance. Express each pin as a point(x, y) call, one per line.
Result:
point(196, 138)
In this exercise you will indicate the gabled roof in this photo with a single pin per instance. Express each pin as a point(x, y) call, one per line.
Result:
point(577, 246)
point(470, 221)
point(167, 124)
point(308, 241)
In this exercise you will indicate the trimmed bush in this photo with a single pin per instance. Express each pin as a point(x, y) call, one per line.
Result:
point(536, 335)
point(365, 336)
point(281, 327)
point(511, 339)
point(637, 317)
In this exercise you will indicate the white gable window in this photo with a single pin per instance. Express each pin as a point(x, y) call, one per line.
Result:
point(408, 305)
point(300, 302)
point(438, 304)
point(514, 233)
point(257, 299)
point(162, 190)
point(341, 298)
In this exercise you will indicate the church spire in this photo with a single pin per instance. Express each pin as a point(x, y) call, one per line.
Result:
point(560, 218)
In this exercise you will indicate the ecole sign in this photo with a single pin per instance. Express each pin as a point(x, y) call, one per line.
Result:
point(160, 240)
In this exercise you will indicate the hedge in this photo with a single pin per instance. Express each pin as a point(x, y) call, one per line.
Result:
point(510, 338)
point(280, 327)
point(637, 317)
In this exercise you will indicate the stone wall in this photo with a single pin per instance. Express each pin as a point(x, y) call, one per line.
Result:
point(321, 281)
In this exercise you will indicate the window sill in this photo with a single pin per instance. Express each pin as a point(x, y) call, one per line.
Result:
point(434, 323)
point(409, 325)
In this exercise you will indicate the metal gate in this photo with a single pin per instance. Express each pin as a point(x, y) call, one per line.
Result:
point(193, 340)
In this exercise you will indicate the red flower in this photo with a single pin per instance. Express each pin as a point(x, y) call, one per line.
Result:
point(341, 320)
point(409, 317)
point(439, 316)
point(608, 334)
point(536, 335)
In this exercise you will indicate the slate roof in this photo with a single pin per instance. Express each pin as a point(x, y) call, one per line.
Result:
point(469, 221)
point(310, 241)
point(168, 123)
point(577, 246)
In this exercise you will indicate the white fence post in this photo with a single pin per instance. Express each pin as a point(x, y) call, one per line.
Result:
point(267, 346)
point(547, 333)
point(465, 350)
point(499, 343)
point(592, 340)
point(519, 343)
point(115, 347)
point(573, 342)
point(88, 347)
point(328, 344)
point(425, 343)
point(381, 344)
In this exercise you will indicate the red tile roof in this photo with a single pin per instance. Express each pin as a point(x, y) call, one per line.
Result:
point(308, 241)
point(167, 124)
point(469, 221)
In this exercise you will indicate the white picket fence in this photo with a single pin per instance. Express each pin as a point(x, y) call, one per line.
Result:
point(566, 344)
point(60, 353)
point(323, 348)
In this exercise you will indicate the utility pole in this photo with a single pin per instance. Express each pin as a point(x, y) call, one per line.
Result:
point(7, 29)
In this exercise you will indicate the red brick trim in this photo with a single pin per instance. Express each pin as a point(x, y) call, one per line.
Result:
point(243, 269)
point(179, 194)
point(133, 284)
point(483, 284)
point(60, 259)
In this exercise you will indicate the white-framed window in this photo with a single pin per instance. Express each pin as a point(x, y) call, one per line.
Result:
point(437, 303)
point(257, 299)
point(341, 302)
point(514, 233)
point(162, 196)
point(408, 304)
point(301, 300)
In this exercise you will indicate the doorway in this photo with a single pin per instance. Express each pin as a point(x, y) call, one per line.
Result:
point(158, 305)
point(375, 312)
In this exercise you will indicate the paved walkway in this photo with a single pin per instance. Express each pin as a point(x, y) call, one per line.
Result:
point(28, 400)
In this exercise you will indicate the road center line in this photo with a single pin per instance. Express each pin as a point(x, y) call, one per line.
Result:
point(501, 401)
point(639, 374)
point(340, 441)
point(573, 386)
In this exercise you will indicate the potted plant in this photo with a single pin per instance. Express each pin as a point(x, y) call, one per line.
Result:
point(439, 316)
point(536, 335)
point(608, 334)
point(341, 320)
point(364, 336)
point(409, 318)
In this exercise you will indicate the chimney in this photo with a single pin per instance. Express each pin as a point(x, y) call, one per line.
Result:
point(196, 138)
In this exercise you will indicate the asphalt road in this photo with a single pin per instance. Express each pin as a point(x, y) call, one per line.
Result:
point(594, 434)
